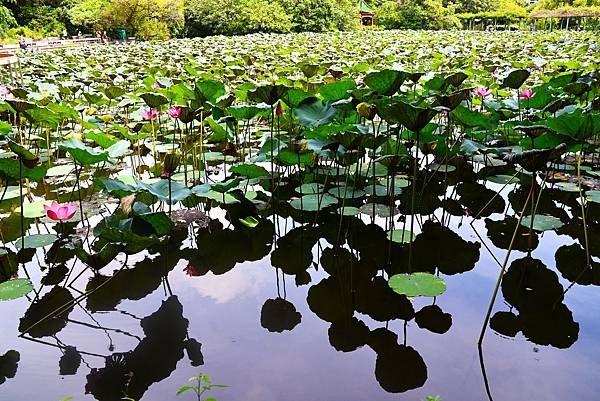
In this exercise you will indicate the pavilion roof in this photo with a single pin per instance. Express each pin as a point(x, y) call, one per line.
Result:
point(364, 7)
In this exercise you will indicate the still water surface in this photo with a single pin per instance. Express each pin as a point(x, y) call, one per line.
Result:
point(142, 325)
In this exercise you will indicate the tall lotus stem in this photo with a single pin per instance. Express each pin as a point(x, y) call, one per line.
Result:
point(502, 270)
point(153, 141)
point(77, 175)
point(412, 203)
point(582, 202)
point(21, 204)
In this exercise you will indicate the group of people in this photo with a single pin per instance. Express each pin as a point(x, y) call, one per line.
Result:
point(102, 36)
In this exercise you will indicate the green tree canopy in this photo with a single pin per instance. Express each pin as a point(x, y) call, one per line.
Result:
point(416, 14)
point(88, 13)
point(146, 19)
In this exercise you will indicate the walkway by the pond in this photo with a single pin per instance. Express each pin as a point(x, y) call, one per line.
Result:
point(46, 44)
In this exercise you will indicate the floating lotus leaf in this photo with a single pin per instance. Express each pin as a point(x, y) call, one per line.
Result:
point(542, 222)
point(401, 236)
point(35, 241)
point(593, 196)
point(314, 202)
point(15, 288)
point(417, 284)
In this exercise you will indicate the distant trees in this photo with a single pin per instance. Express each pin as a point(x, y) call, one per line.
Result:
point(43, 17)
point(7, 20)
point(146, 19)
point(556, 4)
point(321, 15)
point(473, 6)
point(161, 19)
point(88, 13)
point(230, 17)
point(209, 17)
point(416, 14)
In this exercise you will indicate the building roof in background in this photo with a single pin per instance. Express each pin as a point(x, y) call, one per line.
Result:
point(364, 7)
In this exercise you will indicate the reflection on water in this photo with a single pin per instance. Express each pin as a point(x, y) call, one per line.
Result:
point(300, 305)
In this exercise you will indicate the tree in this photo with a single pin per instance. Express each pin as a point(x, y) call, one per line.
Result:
point(473, 6)
point(146, 19)
point(264, 16)
point(416, 14)
point(236, 17)
point(47, 17)
point(88, 13)
point(212, 17)
point(7, 20)
point(555, 4)
point(321, 15)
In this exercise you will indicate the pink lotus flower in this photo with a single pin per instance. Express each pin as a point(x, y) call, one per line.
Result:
point(5, 91)
point(496, 73)
point(156, 85)
point(150, 114)
point(279, 110)
point(174, 111)
point(60, 212)
point(527, 93)
point(482, 92)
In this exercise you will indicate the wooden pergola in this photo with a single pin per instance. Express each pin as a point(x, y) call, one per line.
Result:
point(566, 16)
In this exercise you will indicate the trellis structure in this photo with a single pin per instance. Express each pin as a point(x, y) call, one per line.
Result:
point(568, 17)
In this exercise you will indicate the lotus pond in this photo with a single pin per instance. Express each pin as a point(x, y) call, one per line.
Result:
point(344, 216)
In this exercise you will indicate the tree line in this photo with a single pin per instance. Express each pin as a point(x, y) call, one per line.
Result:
point(160, 19)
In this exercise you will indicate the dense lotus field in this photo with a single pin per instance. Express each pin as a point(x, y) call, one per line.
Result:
point(377, 147)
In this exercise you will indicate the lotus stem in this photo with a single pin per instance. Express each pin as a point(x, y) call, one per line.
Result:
point(21, 204)
point(582, 203)
point(502, 270)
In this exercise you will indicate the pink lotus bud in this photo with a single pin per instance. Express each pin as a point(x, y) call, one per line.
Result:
point(174, 111)
point(527, 93)
point(482, 92)
point(150, 114)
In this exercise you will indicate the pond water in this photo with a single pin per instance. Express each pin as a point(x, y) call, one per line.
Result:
point(341, 336)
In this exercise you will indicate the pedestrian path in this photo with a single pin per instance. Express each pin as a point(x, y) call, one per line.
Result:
point(47, 44)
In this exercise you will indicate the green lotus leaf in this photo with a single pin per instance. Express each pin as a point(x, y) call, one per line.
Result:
point(542, 222)
point(417, 284)
point(313, 202)
point(15, 288)
point(35, 241)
